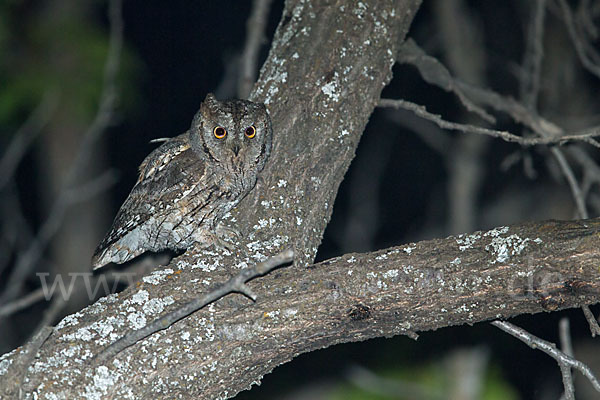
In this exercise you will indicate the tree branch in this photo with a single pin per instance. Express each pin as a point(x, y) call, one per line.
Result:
point(229, 345)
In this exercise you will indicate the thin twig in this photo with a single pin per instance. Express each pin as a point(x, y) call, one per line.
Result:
point(573, 184)
point(422, 112)
point(235, 284)
point(255, 38)
point(585, 16)
point(26, 135)
point(22, 303)
point(592, 321)
point(577, 40)
point(435, 73)
point(530, 84)
point(567, 347)
point(560, 357)
point(16, 231)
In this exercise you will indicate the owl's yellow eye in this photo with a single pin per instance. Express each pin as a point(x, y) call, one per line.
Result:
point(219, 132)
point(250, 132)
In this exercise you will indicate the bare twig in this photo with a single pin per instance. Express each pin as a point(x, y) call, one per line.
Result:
point(435, 72)
point(567, 347)
point(530, 83)
point(585, 16)
point(422, 112)
point(25, 136)
point(22, 303)
point(592, 321)
point(235, 284)
point(563, 359)
point(573, 184)
point(578, 41)
point(69, 194)
point(16, 232)
point(255, 37)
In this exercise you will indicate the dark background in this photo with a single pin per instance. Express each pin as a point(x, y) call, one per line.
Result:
point(395, 192)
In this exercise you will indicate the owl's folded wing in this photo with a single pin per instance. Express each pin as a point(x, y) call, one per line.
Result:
point(165, 176)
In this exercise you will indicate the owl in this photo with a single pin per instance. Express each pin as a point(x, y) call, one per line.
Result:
point(190, 182)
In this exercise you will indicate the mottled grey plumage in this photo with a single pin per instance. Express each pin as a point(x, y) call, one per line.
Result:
point(190, 182)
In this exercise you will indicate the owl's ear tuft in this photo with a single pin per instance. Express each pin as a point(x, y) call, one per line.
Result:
point(210, 103)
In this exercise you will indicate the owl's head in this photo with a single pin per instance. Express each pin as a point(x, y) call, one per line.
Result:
point(235, 134)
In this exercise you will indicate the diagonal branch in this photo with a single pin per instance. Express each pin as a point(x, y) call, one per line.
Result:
point(231, 344)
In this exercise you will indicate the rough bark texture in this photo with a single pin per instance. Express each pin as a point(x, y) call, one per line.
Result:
point(226, 348)
point(327, 66)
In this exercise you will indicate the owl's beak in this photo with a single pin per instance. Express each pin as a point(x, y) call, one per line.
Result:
point(236, 149)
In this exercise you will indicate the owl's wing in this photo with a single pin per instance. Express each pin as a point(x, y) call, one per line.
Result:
point(165, 174)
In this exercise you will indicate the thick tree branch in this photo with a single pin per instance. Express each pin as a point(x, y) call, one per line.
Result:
point(226, 348)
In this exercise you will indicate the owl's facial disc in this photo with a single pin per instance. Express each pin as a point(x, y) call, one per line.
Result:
point(235, 134)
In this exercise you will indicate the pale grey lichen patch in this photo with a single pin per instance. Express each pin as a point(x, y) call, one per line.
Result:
point(274, 80)
point(505, 247)
point(263, 223)
point(456, 261)
point(157, 276)
point(360, 10)
point(156, 306)
point(259, 247)
point(209, 330)
point(289, 312)
point(206, 266)
point(390, 274)
point(58, 360)
point(409, 249)
point(6, 361)
point(103, 380)
point(139, 298)
point(83, 334)
point(235, 332)
point(467, 241)
point(136, 320)
point(69, 320)
point(496, 232)
point(381, 279)
point(96, 308)
point(331, 89)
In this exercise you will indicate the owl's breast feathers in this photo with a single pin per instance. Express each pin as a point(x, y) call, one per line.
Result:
point(168, 189)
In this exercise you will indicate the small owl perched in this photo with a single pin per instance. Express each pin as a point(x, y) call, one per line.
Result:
point(190, 182)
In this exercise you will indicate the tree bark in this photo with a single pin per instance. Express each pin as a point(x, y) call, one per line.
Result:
point(328, 64)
